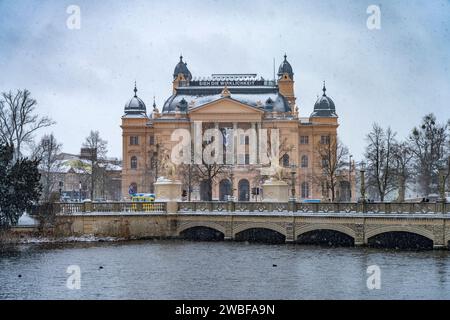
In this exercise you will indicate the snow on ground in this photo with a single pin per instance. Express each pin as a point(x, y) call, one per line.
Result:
point(86, 238)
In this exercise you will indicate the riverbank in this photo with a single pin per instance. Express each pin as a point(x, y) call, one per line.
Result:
point(14, 237)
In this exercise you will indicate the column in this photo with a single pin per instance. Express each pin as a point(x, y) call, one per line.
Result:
point(235, 142)
point(252, 148)
point(258, 127)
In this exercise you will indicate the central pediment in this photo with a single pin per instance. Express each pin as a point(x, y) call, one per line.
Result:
point(226, 109)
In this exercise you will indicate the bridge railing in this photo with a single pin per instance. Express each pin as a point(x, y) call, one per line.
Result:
point(252, 207)
point(110, 207)
point(340, 207)
point(228, 206)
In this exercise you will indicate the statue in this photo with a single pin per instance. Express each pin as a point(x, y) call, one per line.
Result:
point(168, 168)
point(276, 171)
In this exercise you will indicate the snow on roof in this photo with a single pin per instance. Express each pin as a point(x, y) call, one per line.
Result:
point(82, 166)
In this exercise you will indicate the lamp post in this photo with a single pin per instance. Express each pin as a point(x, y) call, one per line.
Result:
point(293, 172)
point(350, 177)
point(61, 184)
point(232, 185)
point(444, 172)
point(362, 171)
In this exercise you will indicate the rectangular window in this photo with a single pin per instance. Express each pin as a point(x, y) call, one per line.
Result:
point(244, 139)
point(324, 162)
point(152, 140)
point(134, 140)
point(325, 139)
point(247, 159)
point(304, 139)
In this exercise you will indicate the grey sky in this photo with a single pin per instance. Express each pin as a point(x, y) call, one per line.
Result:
point(82, 78)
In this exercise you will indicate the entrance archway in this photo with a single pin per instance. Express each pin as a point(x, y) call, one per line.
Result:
point(345, 192)
point(205, 191)
point(224, 189)
point(244, 190)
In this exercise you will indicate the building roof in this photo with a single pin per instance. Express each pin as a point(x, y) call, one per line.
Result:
point(135, 106)
point(182, 68)
point(246, 89)
point(324, 106)
point(285, 67)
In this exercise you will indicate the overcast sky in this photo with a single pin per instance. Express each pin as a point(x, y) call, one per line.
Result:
point(82, 78)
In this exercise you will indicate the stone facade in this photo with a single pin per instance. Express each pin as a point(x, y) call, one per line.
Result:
point(233, 102)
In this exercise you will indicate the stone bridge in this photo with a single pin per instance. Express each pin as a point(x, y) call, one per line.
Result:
point(359, 227)
point(290, 221)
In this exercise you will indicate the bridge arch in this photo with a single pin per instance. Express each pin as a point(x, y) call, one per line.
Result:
point(260, 225)
point(416, 230)
point(205, 224)
point(334, 227)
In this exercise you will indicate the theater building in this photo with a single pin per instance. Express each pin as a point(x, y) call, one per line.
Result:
point(234, 101)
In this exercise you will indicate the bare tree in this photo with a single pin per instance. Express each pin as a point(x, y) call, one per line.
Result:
point(46, 152)
point(403, 157)
point(95, 150)
point(381, 160)
point(18, 119)
point(428, 144)
point(333, 155)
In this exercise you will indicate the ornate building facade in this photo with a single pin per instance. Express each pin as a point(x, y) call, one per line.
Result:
point(235, 101)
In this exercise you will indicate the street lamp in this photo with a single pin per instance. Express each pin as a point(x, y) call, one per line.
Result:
point(232, 185)
point(350, 177)
point(444, 172)
point(293, 172)
point(61, 184)
point(362, 170)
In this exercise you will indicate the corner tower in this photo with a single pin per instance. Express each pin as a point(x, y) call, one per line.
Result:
point(286, 82)
point(181, 74)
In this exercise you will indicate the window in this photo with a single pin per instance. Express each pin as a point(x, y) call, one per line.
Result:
point(285, 160)
point(153, 163)
point(134, 140)
point(152, 140)
point(243, 158)
point(304, 162)
point(304, 139)
point(244, 139)
point(247, 158)
point(324, 162)
point(134, 162)
point(325, 139)
point(305, 190)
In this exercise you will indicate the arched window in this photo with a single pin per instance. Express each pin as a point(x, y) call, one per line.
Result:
point(305, 190)
point(134, 162)
point(132, 189)
point(285, 160)
point(304, 162)
point(243, 190)
point(153, 163)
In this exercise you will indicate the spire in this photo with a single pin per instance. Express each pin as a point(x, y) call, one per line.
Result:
point(135, 89)
point(324, 89)
point(154, 102)
point(181, 58)
point(285, 56)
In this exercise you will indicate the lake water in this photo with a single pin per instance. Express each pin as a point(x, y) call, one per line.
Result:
point(219, 270)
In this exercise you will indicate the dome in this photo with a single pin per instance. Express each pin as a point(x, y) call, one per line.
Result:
point(135, 105)
point(324, 106)
point(182, 68)
point(285, 67)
